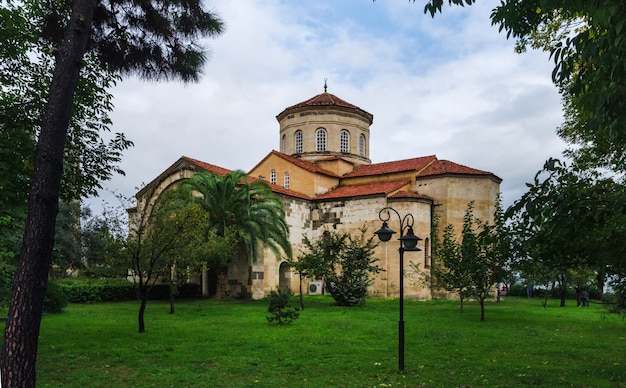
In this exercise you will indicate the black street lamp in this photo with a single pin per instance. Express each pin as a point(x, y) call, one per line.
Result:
point(408, 242)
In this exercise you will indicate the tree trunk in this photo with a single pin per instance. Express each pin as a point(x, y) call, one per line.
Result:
point(301, 298)
point(142, 310)
point(461, 297)
point(562, 292)
point(172, 292)
point(481, 301)
point(173, 287)
point(21, 334)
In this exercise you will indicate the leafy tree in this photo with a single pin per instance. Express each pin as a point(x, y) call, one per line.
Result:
point(306, 265)
point(344, 262)
point(474, 265)
point(156, 236)
point(586, 40)
point(321, 255)
point(247, 209)
point(156, 40)
point(570, 220)
point(449, 271)
point(349, 281)
point(200, 252)
point(67, 254)
point(98, 237)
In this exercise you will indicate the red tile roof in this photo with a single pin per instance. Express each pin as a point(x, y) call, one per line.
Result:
point(311, 167)
point(446, 167)
point(408, 194)
point(415, 164)
point(363, 190)
point(208, 167)
point(325, 100)
point(281, 190)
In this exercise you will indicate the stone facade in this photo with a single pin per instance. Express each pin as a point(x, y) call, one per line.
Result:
point(326, 180)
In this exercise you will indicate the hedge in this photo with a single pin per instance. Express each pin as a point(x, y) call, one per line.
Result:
point(108, 291)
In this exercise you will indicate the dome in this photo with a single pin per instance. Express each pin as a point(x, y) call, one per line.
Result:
point(326, 101)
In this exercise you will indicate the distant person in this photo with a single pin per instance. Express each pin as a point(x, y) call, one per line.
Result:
point(579, 298)
point(529, 291)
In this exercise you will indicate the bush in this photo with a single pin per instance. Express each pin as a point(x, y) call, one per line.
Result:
point(349, 292)
point(92, 291)
point(98, 291)
point(345, 262)
point(282, 313)
point(7, 274)
point(55, 299)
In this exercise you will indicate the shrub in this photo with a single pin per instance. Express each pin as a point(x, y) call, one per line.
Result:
point(55, 299)
point(345, 262)
point(279, 307)
point(92, 291)
point(7, 274)
point(98, 291)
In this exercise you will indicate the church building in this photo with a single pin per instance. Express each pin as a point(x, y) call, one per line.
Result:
point(325, 178)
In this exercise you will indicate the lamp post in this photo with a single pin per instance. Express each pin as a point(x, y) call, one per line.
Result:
point(408, 242)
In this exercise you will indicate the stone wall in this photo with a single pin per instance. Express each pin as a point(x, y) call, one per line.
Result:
point(312, 219)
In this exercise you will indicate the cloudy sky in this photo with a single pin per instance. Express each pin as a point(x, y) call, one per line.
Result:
point(450, 86)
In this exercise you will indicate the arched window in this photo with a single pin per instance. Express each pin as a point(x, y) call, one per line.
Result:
point(362, 145)
point(283, 145)
point(344, 141)
point(320, 140)
point(286, 180)
point(298, 142)
point(273, 177)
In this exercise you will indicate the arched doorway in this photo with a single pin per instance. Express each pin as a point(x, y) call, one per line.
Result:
point(284, 277)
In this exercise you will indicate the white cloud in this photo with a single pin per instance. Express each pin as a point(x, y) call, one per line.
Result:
point(450, 86)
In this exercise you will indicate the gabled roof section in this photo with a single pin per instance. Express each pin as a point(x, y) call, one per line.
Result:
point(207, 166)
point(281, 190)
point(446, 167)
point(384, 188)
point(325, 100)
point(308, 166)
point(403, 194)
point(415, 164)
point(290, 193)
point(183, 163)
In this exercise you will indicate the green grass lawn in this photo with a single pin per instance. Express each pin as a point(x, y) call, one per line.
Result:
point(209, 343)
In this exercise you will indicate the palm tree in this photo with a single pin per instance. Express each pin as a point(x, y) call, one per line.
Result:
point(246, 208)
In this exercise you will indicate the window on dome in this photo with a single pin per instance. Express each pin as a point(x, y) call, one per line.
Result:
point(298, 142)
point(283, 144)
point(344, 140)
point(273, 177)
point(286, 180)
point(320, 140)
point(362, 145)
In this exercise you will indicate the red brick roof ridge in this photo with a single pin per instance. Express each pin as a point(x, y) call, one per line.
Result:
point(412, 164)
point(363, 189)
point(207, 166)
point(309, 166)
point(441, 167)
